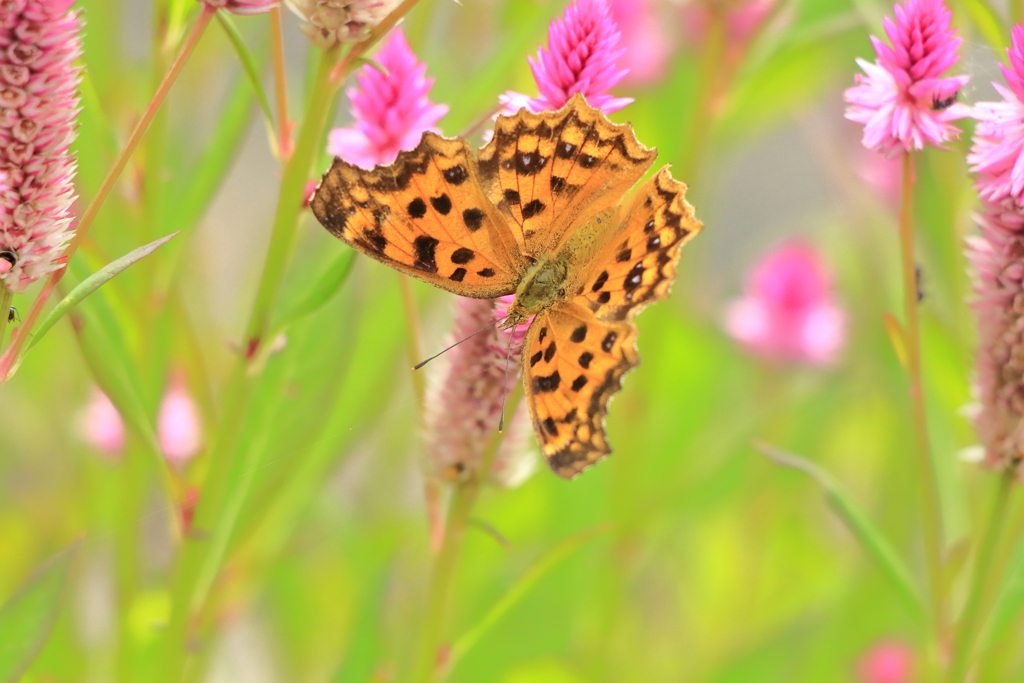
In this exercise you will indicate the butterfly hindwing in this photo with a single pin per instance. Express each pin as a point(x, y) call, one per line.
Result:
point(637, 264)
point(425, 215)
point(549, 172)
point(572, 365)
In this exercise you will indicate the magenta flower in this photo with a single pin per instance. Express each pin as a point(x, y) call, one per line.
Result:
point(39, 42)
point(243, 6)
point(391, 111)
point(644, 39)
point(886, 662)
point(903, 102)
point(997, 155)
point(999, 305)
point(466, 396)
point(581, 57)
point(100, 425)
point(178, 426)
point(788, 312)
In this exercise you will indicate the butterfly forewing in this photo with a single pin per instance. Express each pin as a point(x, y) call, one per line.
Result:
point(551, 171)
point(636, 265)
point(572, 364)
point(425, 215)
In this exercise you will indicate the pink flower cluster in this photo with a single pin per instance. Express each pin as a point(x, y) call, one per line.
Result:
point(788, 312)
point(39, 43)
point(997, 156)
point(391, 110)
point(581, 58)
point(466, 398)
point(903, 101)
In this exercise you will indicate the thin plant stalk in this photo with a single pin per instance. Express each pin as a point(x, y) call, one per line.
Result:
point(9, 357)
point(200, 562)
point(984, 582)
point(932, 517)
point(284, 132)
point(426, 664)
point(5, 309)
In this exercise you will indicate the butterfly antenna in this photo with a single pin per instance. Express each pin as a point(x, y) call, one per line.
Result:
point(504, 382)
point(493, 322)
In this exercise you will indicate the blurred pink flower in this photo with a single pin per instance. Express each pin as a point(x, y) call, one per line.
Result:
point(999, 288)
point(997, 155)
point(101, 425)
point(788, 312)
point(880, 172)
point(178, 426)
point(644, 38)
point(391, 111)
point(742, 19)
point(886, 662)
point(581, 58)
point(39, 43)
point(903, 102)
point(243, 6)
point(466, 397)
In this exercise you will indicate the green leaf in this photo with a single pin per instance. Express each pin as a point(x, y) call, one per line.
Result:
point(520, 588)
point(985, 19)
point(858, 522)
point(322, 290)
point(28, 616)
point(248, 64)
point(372, 63)
point(91, 284)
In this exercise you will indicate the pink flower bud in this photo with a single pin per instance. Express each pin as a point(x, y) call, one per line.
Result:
point(101, 425)
point(178, 426)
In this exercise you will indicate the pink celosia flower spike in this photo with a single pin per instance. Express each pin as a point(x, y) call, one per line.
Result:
point(999, 288)
point(902, 101)
point(581, 55)
point(243, 6)
point(391, 111)
point(788, 312)
point(327, 22)
point(39, 43)
point(178, 426)
point(997, 155)
point(466, 397)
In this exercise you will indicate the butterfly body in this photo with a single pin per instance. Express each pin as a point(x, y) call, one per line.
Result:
point(541, 212)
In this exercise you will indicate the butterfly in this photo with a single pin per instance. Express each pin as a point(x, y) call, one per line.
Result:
point(542, 212)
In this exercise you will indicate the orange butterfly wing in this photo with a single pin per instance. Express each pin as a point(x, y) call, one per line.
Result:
point(550, 172)
point(426, 216)
point(577, 351)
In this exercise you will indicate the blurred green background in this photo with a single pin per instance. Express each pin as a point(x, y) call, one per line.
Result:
point(704, 561)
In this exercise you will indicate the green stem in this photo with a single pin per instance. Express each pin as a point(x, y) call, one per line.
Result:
point(289, 204)
point(7, 360)
point(984, 583)
point(227, 482)
point(429, 657)
point(284, 136)
point(932, 517)
point(5, 311)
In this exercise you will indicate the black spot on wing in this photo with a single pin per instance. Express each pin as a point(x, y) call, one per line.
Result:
point(585, 359)
point(544, 385)
point(458, 276)
point(549, 353)
point(442, 204)
point(579, 383)
point(599, 282)
point(486, 272)
point(417, 208)
point(529, 163)
point(456, 175)
point(609, 341)
point(579, 334)
point(532, 208)
point(473, 218)
point(425, 246)
point(462, 255)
